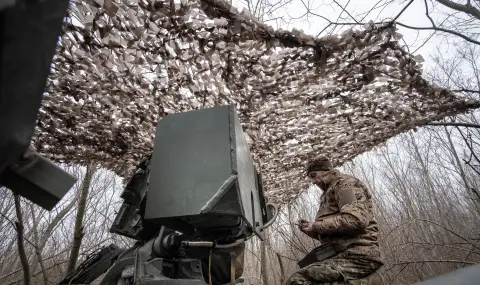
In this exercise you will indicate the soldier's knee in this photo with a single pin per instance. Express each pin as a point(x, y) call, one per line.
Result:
point(372, 279)
point(296, 279)
point(375, 279)
point(323, 273)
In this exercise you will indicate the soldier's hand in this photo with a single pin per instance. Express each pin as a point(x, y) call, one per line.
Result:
point(307, 229)
point(301, 223)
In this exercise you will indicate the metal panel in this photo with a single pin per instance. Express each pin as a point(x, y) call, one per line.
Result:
point(23, 70)
point(464, 276)
point(190, 163)
point(38, 180)
point(23, 73)
point(203, 176)
point(247, 176)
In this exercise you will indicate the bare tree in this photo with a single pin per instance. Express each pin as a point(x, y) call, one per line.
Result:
point(38, 251)
point(48, 234)
point(20, 241)
point(264, 262)
point(78, 232)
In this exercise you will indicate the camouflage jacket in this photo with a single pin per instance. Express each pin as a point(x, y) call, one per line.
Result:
point(346, 217)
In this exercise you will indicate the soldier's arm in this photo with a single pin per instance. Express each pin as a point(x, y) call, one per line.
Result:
point(313, 234)
point(355, 213)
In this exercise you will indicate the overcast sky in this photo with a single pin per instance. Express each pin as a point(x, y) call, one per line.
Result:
point(414, 15)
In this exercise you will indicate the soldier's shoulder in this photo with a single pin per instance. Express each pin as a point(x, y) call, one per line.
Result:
point(345, 176)
point(347, 180)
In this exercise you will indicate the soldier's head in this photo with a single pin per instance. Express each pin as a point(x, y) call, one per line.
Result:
point(318, 169)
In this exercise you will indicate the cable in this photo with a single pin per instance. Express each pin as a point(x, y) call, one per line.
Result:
point(237, 242)
point(269, 223)
point(211, 244)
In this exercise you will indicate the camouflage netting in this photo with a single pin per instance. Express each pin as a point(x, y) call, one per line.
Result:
point(122, 65)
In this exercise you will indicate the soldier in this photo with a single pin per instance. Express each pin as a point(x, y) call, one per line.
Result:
point(346, 222)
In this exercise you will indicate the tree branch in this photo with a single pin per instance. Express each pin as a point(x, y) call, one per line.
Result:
point(468, 8)
point(38, 272)
point(403, 10)
point(8, 220)
point(51, 227)
point(466, 90)
point(345, 10)
point(427, 14)
point(435, 28)
point(472, 153)
point(448, 230)
point(454, 124)
point(432, 261)
point(282, 269)
point(85, 252)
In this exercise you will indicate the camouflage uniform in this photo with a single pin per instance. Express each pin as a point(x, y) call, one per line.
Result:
point(343, 269)
point(345, 219)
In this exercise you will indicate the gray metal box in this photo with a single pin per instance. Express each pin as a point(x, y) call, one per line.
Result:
point(38, 179)
point(202, 173)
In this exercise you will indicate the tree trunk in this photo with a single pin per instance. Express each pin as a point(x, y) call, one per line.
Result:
point(282, 269)
point(263, 253)
point(51, 227)
point(38, 250)
point(20, 244)
point(78, 232)
point(426, 174)
point(460, 166)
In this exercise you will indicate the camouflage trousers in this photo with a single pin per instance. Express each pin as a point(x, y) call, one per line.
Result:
point(342, 269)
